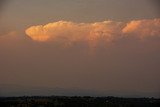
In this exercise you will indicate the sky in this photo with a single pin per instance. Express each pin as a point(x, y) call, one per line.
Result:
point(110, 47)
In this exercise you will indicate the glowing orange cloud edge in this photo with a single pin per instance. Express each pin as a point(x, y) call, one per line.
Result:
point(68, 31)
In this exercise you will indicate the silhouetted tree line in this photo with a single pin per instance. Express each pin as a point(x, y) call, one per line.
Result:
point(63, 101)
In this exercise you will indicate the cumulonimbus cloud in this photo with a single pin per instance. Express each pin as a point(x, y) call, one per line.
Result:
point(67, 31)
point(70, 32)
point(74, 31)
point(143, 28)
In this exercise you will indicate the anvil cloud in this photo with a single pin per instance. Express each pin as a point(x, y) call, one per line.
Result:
point(143, 28)
point(108, 31)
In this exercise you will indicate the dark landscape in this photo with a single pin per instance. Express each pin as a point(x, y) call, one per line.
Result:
point(77, 101)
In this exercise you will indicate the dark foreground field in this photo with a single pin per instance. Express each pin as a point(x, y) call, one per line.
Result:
point(55, 101)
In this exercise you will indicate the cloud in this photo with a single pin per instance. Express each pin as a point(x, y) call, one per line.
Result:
point(108, 31)
point(69, 32)
point(143, 28)
point(8, 33)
